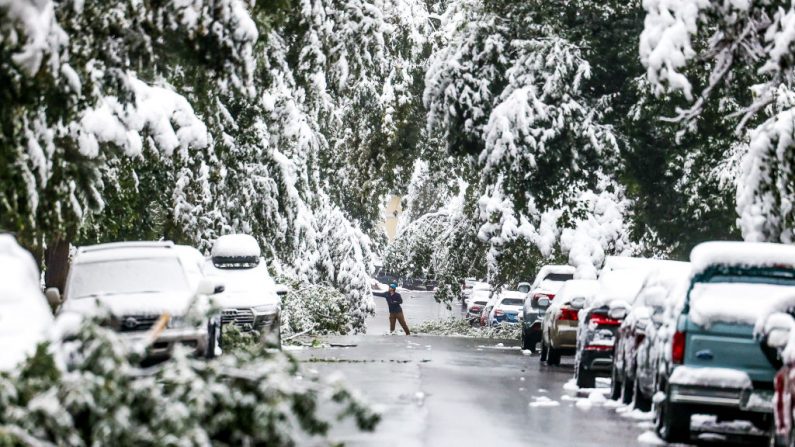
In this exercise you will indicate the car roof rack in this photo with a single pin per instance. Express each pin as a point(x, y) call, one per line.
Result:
point(133, 244)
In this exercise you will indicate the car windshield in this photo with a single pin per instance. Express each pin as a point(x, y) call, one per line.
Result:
point(480, 303)
point(512, 302)
point(127, 276)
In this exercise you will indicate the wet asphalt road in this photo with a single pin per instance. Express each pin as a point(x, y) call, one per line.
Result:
point(450, 391)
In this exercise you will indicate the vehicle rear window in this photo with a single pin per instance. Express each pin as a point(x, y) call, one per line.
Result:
point(512, 302)
point(480, 303)
point(560, 277)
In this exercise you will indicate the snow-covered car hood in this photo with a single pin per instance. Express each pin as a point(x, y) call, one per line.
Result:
point(131, 304)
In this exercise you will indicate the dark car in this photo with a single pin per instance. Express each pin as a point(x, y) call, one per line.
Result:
point(547, 283)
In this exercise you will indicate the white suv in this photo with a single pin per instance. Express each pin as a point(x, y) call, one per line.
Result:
point(140, 282)
point(251, 299)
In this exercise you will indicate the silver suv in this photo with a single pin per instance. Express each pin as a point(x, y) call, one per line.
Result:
point(148, 287)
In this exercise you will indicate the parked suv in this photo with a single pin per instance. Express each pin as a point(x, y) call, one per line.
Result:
point(140, 283)
point(547, 283)
point(712, 364)
point(250, 300)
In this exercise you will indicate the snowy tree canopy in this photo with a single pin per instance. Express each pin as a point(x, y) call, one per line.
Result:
point(748, 46)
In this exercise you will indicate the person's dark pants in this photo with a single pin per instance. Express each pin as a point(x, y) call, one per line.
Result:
point(398, 316)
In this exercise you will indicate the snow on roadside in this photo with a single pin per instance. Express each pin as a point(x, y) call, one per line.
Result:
point(649, 437)
point(543, 401)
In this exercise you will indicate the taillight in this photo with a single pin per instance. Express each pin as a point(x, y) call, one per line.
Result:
point(475, 309)
point(604, 320)
point(498, 313)
point(568, 315)
point(549, 296)
point(678, 348)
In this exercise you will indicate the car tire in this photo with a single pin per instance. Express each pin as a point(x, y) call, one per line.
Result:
point(615, 385)
point(672, 422)
point(544, 352)
point(642, 402)
point(553, 356)
point(584, 378)
point(627, 391)
point(526, 343)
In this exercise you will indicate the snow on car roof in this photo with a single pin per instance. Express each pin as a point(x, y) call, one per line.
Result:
point(236, 246)
point(125, 250)
point(751, 254)
point(576, 288)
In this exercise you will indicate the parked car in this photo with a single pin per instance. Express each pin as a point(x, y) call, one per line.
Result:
point(507, 308)
point(634, 360)
point(250, 300)
point(712, 364)
point(139, 283)
point(546, 284)
point(619, 283)
point(25, 317)
point(775, 332)
point(481, 291)
point(559, 328)
point(473, 312)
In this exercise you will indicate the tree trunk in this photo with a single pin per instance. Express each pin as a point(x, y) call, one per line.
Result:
point(56, 263)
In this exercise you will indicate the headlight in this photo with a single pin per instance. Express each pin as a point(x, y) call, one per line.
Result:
point(266, 309)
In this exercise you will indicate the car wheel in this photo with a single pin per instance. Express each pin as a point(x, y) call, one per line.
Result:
point(584, 378)
point(615, 385)
point(553, 356)
point(544, 351)
point(525, 340)
point(672, 422)
point(642, 402)
point(627, 391)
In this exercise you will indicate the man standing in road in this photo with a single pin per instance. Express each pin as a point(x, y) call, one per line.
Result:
point(394, 300)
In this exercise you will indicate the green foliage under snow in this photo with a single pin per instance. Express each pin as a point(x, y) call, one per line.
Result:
point(101, 397)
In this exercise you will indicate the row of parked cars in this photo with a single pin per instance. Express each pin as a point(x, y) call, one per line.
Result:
point(158, 294)
point(710, 336)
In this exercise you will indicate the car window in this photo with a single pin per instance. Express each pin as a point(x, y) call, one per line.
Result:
point(512, 302)
point(560, 277)
point(127, 276)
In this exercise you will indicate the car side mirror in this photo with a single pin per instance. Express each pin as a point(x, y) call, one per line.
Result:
point(778, 337)
point(210, 286)
point(543, 303)
point(281, 290)
point(577, 303)
point(53, 296)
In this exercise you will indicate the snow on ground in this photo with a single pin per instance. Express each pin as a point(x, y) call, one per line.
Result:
point(543, 401)
point(649, 437)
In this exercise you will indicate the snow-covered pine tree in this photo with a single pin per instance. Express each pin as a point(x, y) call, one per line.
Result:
point(748, 47)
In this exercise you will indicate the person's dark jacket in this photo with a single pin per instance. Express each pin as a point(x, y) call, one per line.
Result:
point(394, 301)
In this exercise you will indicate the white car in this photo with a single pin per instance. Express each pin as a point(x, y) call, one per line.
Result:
point(507, 308)
point(480, 291)
point(140, 284)
point(25, 317)
point(251, 298)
